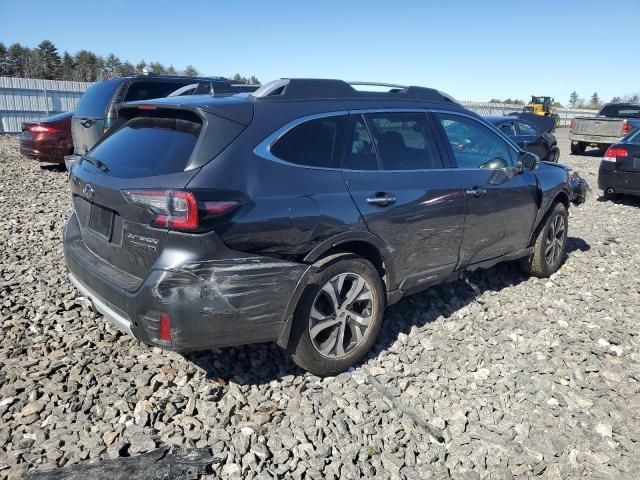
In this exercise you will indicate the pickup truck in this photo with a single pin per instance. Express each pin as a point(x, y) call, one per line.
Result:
point(614, 121)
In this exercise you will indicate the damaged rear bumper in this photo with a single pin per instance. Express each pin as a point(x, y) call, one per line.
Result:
point(232, 299)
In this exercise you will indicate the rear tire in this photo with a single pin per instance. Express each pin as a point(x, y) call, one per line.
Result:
point(578, 148)
point(554, 154)
point(549, 248)
point(338, 316)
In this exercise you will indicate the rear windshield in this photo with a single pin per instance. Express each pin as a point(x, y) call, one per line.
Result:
point(95, 100)
point(620, 111)
point(146, 90)
point(148, 146)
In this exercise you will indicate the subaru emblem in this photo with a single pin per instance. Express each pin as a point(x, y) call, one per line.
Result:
point(88, 190)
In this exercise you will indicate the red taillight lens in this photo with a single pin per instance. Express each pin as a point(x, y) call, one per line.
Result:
point(147, 107)
point(173, 209)
point(219, 208)
point(165, 327)
point(613, 153)
point(571, 126)
point(42, 129)
point(626, 127)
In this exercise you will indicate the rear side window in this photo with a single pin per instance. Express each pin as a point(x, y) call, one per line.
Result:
point(474, 145)
point(146, 146)
point(96, 99)
point(314, 143)
point(404, 141)
point(526, 129)
point(360, 154)
point(141, 90)
point(620, 111)
point(508, 129)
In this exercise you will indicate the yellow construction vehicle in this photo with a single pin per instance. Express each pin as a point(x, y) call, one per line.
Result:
point(542, 106)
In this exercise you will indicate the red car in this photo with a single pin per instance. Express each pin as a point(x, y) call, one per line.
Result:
point(49, 140)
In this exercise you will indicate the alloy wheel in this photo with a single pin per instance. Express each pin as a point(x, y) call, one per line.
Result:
point(340, 315)
point(555, 240)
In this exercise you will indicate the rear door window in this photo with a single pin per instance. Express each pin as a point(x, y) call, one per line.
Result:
point(145, 90)
point(404, 141)
point(95, 100)
point(146, 146)
point(314, 143)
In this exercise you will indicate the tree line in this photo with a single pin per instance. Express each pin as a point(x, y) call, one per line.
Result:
point(575, 101)
point(44, 61)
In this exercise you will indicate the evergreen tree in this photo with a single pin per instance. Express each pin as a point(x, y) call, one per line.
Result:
point(17, 60)
point(47, 61)
point(595, 100)
point(87, 66)
point(156, 68)
point(191, 71)
point(111, 65)
point(616, 100)
point(141, 66)
point(574, 99)
point(67, 67)
point(125, 68)
point(171, 70)
point(254, 80)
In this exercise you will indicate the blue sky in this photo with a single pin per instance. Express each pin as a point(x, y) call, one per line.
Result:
point(473, 50)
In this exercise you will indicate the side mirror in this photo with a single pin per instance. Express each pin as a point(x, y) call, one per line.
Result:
point(528, 161)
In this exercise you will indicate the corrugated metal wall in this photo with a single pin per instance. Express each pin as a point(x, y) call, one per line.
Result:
point(28, 100)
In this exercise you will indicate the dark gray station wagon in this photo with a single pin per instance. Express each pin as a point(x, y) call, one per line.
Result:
point(297, 213)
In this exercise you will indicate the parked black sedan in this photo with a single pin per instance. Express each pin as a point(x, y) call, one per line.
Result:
point(620, 168)
point(528, 136)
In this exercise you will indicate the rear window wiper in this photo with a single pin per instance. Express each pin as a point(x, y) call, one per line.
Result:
point(96, 163)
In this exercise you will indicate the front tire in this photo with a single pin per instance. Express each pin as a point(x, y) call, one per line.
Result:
point(554, 154)
point(549, 248)
point(338, 316)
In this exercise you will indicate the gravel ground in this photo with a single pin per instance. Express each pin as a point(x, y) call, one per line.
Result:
point(520, 377)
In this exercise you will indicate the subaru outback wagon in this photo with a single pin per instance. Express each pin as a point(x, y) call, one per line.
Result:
point(297, 213)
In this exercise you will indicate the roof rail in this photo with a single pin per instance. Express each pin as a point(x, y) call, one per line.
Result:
point(316, 88)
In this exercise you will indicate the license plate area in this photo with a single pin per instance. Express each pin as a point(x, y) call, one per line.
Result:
point(101, 221)
point(636, 163)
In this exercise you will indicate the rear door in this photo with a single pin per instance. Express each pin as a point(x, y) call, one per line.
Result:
point(406, 195)
point(530, 139)
point(501, 205)
point(89, 118)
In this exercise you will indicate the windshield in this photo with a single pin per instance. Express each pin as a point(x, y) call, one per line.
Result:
point(95, 100)
point(620, 111)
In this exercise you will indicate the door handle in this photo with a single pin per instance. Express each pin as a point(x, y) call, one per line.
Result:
point(381, 199)
point(476, 192)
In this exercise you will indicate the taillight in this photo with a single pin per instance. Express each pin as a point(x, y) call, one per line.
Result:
point(626, 127)
point(178, 209)
point(613, 153)
point(42, 129)
point(571, 126)
point(173, 209)
point(165, 327)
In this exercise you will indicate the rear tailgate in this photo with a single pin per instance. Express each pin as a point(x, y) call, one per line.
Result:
point(598, 126)
point(146, 151)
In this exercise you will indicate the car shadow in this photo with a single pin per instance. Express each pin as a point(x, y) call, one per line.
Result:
point(53, 167)
point(621, 199)
point(593, 152)
point(260, 364)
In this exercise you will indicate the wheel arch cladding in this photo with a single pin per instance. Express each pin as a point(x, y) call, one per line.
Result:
point(321, 257)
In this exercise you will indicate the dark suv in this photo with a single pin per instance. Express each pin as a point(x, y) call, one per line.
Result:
point(96, 110)
point(298, 213)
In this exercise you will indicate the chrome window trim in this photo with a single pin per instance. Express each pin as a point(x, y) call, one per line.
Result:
point(263, 149)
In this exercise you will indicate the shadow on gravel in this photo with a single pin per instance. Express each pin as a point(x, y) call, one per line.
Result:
point(594, 152)
point(629, 200)
point(262, 363)
point(53, 167)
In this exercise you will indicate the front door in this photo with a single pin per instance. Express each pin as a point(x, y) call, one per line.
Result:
point(530, 138)
point(501, 203)
point(396, 176)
